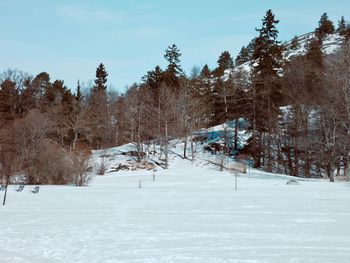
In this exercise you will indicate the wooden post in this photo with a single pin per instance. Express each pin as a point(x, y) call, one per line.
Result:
point(5, 194)
point(154, 174)
point(235, 181)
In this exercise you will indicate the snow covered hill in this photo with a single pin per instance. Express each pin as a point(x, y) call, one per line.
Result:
point(330, 45)
point(190, 213)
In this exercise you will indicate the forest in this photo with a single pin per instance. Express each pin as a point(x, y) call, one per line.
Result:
point(296, 109)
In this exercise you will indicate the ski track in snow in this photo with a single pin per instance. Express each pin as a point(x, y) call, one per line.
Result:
point(189, 214)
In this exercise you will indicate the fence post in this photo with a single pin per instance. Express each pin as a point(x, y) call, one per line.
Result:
point(235, 180)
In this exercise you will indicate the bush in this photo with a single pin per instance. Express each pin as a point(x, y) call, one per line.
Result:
point(81, 166)
point(52, 165)
point(101, 167)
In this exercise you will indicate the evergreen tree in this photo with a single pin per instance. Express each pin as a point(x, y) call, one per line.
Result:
point(314, 53)
point(154, 78)
point(225, 62)
point(205, 72)
point(78, 95)
point(9, 97)
point(266, 89)
point(39, 85)
point(341, 26)
point(315, 68)
point(325, 27)
point(174, 71)
point(98, 109)
point(268, 51)
point(101, 78)
point(243, 56)
point(294, 45)
point(251, 47)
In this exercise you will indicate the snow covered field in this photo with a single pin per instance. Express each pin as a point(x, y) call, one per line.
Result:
point(191, 213)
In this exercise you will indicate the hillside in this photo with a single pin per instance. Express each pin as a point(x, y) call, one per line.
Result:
point(330, 45)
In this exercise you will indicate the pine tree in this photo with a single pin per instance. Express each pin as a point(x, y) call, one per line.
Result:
point(341, 26)
point(266, 89)
point(101, 78)
point(9, 97)
point(267, 52)
point(325, 27)
point(294, 45)
point(251, 47)
point(39, 85)
point(98, 109)
point(225, 62)
point(154, 78)
point(243, 56)
point(174, 71)
point(78, 95)
point(314, 53)
point(205, 72)
point(315, 69)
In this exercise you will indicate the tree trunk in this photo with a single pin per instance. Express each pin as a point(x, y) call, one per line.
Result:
point(185, 146)
point(346, 165)
point(236, 136)
point(166, 144)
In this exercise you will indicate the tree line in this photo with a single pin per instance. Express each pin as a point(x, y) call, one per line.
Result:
point(297, 110)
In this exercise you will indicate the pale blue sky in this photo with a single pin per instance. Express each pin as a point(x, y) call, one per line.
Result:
point(68, 39)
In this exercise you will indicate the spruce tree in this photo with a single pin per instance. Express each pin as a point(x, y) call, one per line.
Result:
point(101, 78)
point(266, 93)
point(205, 72)
point(243, 56)
point(153, 79)
point(98, 109)
point(78, 95)
point(294, 45)
point(325, 27)
point(251, 47)
point(315, 69)
point(174, 71)
point(225, 62)
point(341, 26)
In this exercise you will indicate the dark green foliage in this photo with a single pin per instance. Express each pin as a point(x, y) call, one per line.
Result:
point(314, 53)
point(78, 95)
point(251, 47)
point(101, 78)
point(266, 92)
point(267, 52)
point(205, 72)
point(243, 56)
point(325, 27)
point(315, 68)
point(342, 26)
point(225, 62)
point(98, 119)
point(39, 85)
point(154, 78)
point(294, 45)
point(174, 71)
point(9, 98)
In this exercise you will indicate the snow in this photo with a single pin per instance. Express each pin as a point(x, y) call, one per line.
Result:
point(331, 44)
point(190, 213)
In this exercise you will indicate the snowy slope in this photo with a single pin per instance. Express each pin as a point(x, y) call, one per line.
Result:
point(191, 213)
point(330, 45)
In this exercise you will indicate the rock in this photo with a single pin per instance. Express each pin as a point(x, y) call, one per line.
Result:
point(292, 182)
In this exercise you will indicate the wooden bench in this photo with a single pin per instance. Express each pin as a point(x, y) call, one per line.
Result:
point(19, 188)
point(35, 190)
